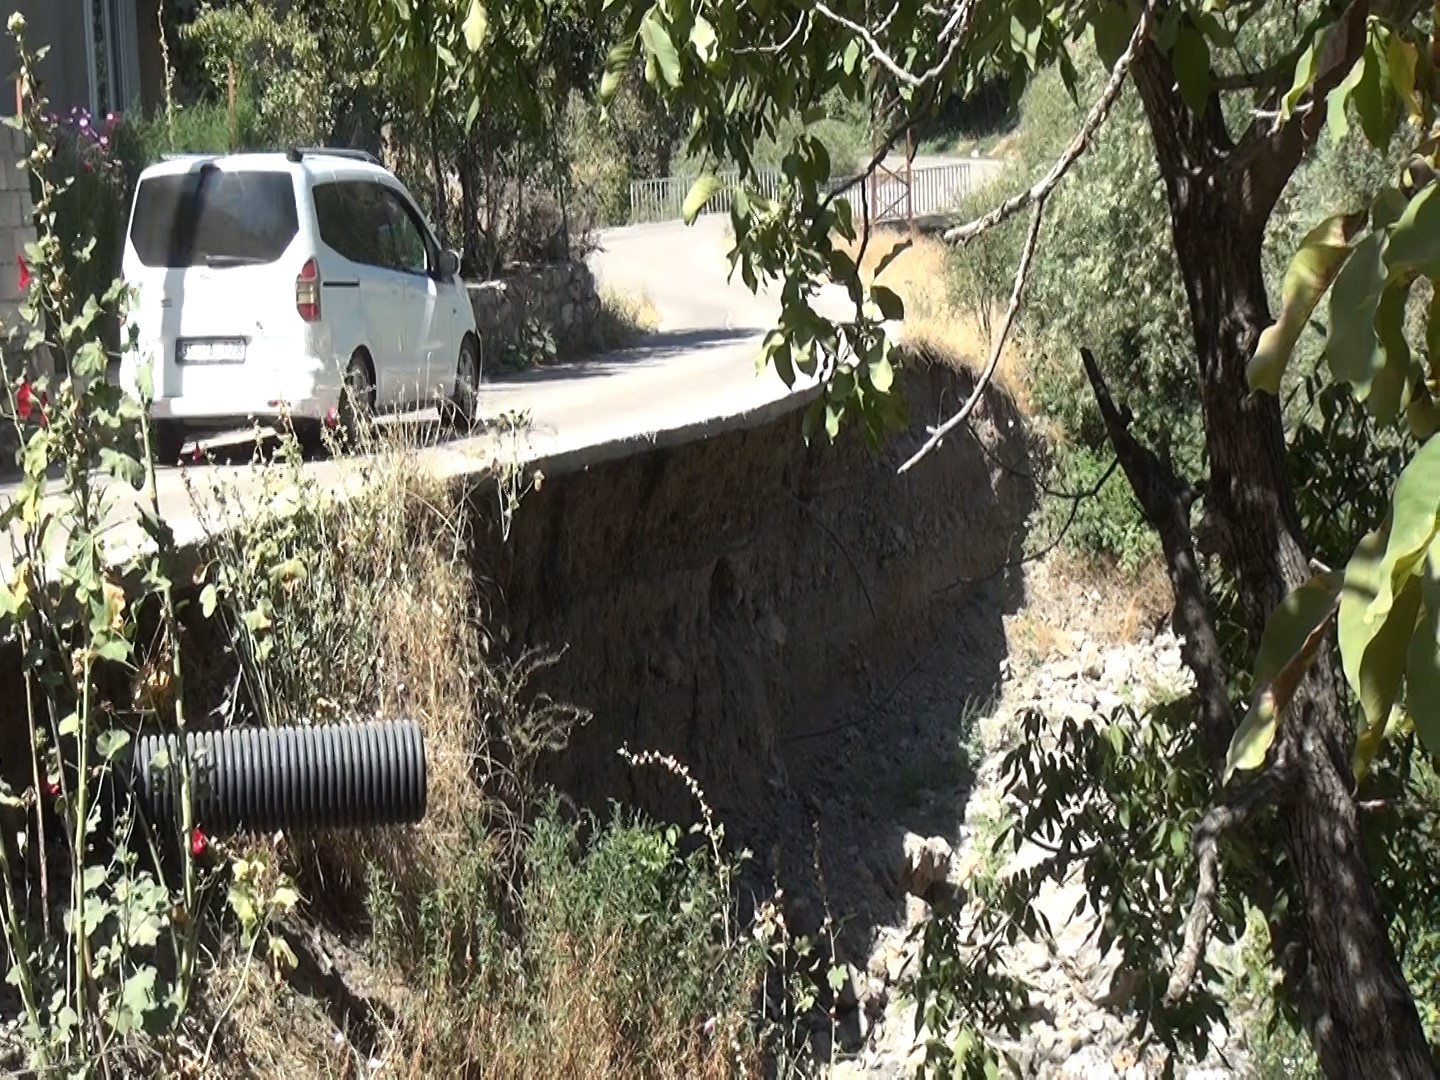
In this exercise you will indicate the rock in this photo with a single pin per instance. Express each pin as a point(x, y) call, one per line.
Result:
point(927, 863)
point(917, 912)
point(1061, 671)
point(773, 629)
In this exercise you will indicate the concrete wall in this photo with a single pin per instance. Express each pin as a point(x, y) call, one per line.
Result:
point(60, 24)
point(65, 72)
point(561, 297)
point(17, 226)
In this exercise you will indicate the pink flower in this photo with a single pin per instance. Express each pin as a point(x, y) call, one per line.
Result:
point(24, 273)
point(199, 842)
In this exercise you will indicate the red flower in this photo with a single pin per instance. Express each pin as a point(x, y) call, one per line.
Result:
point(52, 788)
point(197, 455)
point(198, 842)
point(24, 273)
point(24, 401)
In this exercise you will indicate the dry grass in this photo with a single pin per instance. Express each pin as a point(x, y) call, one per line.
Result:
point(1072, 598)
point(936, 326)
point(386, 621)
point(625, 317)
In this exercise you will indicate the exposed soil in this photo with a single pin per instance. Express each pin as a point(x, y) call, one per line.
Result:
point(762, 610)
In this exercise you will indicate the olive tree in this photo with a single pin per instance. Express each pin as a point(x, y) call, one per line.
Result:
point(1236, 95)
point(741, 68)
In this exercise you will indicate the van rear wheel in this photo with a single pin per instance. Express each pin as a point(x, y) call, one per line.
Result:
point(357, 401)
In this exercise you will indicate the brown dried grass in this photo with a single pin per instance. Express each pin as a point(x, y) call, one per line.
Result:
point(936, 326)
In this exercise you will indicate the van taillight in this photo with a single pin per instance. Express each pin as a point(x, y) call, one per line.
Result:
point(307, 291)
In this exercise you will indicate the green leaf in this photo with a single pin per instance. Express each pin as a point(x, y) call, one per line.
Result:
point(1422, 660)
point(1390, 390)
point(616, 65)
point(701, 192)
point(1401, 61)
point(1336, 101)
point(1287, 648)
point(1375, 100)
point(882, 375)
point(1371, 739)
point(1413, 526)
point(1415, 239)
point(1322, 253)
point(476, 23)
point(1191, 59)
point(1112, 25)
point(1352, 349)
point(122, 467)
point(1372, 650)
point(116, 650)
point(1293, 620)
point(702, 37)
point(661, 49)
point(208, 600)
point(111, 742)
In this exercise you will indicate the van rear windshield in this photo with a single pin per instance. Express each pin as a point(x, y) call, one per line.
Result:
point(211, 217)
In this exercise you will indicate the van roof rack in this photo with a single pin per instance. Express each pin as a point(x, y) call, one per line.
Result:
point(298, 152)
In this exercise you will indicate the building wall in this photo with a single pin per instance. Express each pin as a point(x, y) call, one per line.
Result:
point(65, 70)
point(17, 225)
point(59, 24)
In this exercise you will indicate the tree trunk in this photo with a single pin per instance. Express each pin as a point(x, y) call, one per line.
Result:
point(1359, 1010)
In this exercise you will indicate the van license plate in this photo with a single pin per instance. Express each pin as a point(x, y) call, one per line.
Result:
point(211, 351)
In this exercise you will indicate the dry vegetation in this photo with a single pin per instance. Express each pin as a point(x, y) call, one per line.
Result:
point(625, 317)
point(500, 937)
point(936, 324)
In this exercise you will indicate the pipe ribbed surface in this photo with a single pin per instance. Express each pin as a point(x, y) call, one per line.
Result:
point(345, 776)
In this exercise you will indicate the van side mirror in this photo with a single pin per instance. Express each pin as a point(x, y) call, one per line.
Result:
point(449, 264)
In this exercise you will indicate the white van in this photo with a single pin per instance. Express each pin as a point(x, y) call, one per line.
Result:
point(268, 282)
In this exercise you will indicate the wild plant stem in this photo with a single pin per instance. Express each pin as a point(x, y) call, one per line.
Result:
point(19, 946)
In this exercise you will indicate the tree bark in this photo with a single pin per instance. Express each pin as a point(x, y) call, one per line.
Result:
point(1359, 1010)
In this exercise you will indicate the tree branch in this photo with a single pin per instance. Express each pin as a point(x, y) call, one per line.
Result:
point(957, 29)
point(1270, 151)
point(1220, 819)
point(1022, 275)
point(1166, 503)
point(1098, 112)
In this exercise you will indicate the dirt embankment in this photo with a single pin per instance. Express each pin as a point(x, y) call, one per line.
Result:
point(719, 598)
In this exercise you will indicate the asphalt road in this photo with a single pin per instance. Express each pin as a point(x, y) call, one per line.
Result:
point(697, 370)
point(698, 366)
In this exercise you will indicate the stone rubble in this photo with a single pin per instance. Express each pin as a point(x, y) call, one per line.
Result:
point(1080, 1029)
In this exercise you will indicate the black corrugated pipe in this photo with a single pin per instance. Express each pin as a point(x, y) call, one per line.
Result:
point(347, 776)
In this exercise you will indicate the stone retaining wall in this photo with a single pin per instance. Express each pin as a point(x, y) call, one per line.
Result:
point(559, 299)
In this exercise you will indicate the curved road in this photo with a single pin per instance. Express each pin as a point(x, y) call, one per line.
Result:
point(698, 367)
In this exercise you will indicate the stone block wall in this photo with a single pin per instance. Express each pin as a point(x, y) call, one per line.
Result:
point(560, 297)
point(17, 223)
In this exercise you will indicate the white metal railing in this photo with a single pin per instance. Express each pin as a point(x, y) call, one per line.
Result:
point(933, 189)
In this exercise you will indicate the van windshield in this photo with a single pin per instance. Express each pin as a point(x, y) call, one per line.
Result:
point(211, 217)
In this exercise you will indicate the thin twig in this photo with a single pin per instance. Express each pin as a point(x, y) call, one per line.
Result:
point(1076, 498)
point(1022, 274)
point(957, 29)
point(1098, 112)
